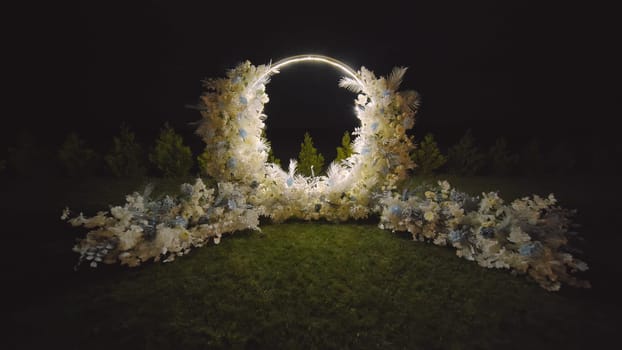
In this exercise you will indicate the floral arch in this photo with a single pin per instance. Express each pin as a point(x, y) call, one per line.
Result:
point(232, 128)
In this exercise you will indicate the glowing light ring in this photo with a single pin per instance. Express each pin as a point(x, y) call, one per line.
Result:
point(233, 124)
point(316, 58)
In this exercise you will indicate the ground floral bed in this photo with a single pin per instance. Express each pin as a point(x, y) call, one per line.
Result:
point(530, 235)
point(318, 284)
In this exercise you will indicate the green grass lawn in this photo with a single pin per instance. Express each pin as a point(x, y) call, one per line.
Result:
point(300, 285)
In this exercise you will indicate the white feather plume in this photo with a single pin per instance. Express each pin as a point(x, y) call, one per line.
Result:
point(350, 84)
point(293, 164)
point(395, 78)
point(412, 98)
point(333, 171)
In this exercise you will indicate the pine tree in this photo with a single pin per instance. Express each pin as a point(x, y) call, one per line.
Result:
point(345, 150)
point(24, 158)
point(560, 159)
point(427, 156)
point(531, 162)
point(464, 158)
point(76, 158)
point(501, 161)
point(599, 158)
point(310, 162)
point(271, 157)
point(170, 155)
point(125, 157)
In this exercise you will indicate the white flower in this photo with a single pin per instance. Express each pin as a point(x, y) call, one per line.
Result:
point(429, 216)
point(128, 239)
point(135, 201)
point(489, 202)
point(78, 221)
point(445, 187)
point(580, 265)
point(361, 100)
point(168, 238)
point(122, 214)
point(65, 214)
point(518, 236)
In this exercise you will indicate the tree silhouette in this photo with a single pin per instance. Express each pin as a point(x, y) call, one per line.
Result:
point(125, 157)
point(170, 155)
point(25, 159)
point(531, 162)
point(310, 162)
point(76, 158)
point(464, 158)
point(560, 160)
point(500, 159)
point(427, 156)
point(271, 157)
point(345, 150)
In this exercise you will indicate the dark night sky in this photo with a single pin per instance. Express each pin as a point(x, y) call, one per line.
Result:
point(510, 70)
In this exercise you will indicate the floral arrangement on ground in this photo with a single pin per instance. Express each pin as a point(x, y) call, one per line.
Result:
point(528, 236)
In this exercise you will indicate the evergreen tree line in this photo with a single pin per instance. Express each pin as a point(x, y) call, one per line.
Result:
point(170, 157)
point(126, 157)
point(467, 158)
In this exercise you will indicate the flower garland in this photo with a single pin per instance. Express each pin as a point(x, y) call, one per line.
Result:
point(528, 236)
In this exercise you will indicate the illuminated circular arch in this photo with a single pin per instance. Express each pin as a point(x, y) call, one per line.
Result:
point(236, 151)
point(315, 58)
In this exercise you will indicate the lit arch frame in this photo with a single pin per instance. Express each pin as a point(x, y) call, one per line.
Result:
point(232, 127)
point(319, 59)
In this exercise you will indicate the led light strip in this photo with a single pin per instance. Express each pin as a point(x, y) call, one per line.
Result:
point(315, 58)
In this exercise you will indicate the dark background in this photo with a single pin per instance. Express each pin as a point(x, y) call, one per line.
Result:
point(516, 70)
